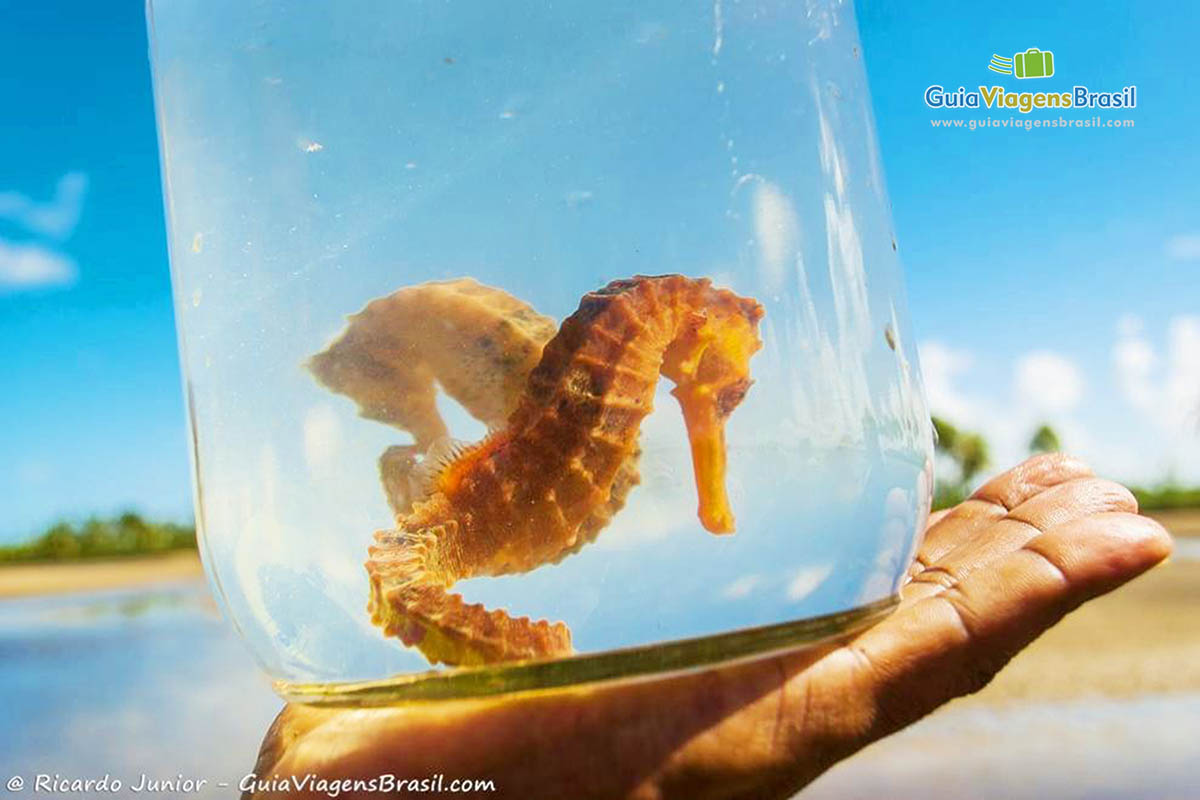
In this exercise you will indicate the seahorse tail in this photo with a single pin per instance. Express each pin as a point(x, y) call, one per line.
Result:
point(411, 601)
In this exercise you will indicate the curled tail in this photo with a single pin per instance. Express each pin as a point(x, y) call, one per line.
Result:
point(551, 479)
point(413, 605)
point(409, 579)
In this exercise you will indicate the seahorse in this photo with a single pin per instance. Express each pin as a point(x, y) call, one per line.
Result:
point(478, 342)
point(524, 495)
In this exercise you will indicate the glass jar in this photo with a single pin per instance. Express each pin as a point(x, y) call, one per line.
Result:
point(580, 325)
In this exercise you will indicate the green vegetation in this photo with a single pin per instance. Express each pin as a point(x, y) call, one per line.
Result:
point(1045, 440)
point(947, 495)
point(968, 451)
point(1166, 496)
point(125, 535)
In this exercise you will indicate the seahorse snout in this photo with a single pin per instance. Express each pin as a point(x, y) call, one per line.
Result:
point(710, 365)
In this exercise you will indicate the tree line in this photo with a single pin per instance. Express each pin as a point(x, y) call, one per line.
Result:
point(127, 534)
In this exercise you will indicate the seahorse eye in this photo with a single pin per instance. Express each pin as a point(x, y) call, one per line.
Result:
point(731, 396)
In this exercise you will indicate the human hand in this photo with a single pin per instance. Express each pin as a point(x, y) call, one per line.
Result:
point(991, 575)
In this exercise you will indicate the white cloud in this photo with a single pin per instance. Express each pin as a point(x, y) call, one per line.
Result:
point(1049, 383)
point(1183, 372)
point(1129, 324)
point(31, 266)
point(322, 439)
point(741, 587)
point(56, 218)
point(942, 365)
point(1166, 389)
point(1184, 247)
point(1134, 361)
point(807, 580)
point(777, 230)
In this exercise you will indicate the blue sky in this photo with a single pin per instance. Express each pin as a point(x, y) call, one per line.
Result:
point(1052, 274)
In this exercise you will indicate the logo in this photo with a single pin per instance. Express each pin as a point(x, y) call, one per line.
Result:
point(1033, 63)
point(1001, 64)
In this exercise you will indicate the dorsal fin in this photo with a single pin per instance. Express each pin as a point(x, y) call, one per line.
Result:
point(440, 456)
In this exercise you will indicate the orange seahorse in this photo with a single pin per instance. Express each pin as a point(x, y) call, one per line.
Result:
point(524, 495)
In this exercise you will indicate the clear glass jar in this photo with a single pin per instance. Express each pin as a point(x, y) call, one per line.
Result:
point(381, 213)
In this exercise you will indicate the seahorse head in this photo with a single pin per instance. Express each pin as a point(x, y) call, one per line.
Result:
point(709, 362)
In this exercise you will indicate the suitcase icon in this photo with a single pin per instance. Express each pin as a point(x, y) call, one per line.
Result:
point(1034, 63)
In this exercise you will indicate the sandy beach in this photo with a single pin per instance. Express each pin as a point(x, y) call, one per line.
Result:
point(1180, 522)
point(24, 580)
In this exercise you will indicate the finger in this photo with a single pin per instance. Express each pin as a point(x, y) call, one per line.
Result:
point(1030, 477)
point(1055, 506)
point(954, 642)
point(994, 500)
point(936, 516)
